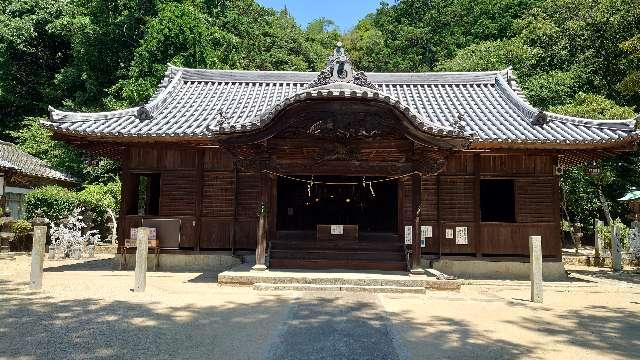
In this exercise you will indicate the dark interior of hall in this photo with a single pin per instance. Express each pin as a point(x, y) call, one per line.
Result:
point(337, 200)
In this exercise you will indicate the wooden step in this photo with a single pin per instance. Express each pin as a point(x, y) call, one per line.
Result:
point(362, 236)
point(337, 264)
point(351, 245)
point(335, 255)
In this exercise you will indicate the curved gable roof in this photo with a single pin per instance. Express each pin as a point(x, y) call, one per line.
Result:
point(486, 107)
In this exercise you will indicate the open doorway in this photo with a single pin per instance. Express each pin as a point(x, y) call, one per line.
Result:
point(337, 200)
point(364, 216)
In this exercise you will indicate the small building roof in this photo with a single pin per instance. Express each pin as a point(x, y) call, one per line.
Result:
point(631, 196)
point(486, 107)
point(12, 158)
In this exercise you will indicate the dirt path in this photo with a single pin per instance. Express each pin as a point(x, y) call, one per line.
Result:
point(87, 311)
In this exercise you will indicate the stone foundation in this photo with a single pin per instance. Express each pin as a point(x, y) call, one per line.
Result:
point(183, 262)
point(499, 270)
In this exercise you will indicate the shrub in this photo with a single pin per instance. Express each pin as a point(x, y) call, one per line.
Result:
point(605, 234)
point(22, 240)
point(55, 202)
point(100, 200)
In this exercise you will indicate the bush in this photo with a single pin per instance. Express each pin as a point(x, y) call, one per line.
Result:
point(55, 202)
point(605, 234)
point(99, 200)
point(22, 240)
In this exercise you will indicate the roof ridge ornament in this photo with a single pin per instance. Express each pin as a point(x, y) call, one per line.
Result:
point(540, 119)
point(339, 69)
point(143, 113)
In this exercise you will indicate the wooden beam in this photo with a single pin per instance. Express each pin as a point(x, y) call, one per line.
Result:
point(476, 205)
point(199, 195)
point(416, 249)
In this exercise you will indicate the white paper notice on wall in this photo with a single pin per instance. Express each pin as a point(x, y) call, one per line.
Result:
point(425, 232)
point(449, 234)
point(461, 235)
point(337, 229)
point(408, 234)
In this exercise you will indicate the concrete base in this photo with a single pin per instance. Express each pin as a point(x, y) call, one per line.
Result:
point(183, 262)
point(334, 279)
point(347, 288)
point(500, 270)
point(259, 267)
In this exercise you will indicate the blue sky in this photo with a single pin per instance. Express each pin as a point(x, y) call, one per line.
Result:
point(345, 13)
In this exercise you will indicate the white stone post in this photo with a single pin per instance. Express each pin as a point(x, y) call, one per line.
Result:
point(142, 250)
point(599, 253)
point(37, 256)
point(535, 274)
point(616, 249)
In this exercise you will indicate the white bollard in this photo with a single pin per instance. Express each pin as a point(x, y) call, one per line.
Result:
point(37, 256)
point(535, 254)
point(142, 249)
point(616, 249)
point(599, 253)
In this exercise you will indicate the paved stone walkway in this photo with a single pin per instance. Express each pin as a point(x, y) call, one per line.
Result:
point(335, 326)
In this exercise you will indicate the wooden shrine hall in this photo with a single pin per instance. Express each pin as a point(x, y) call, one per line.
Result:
point(343, 169)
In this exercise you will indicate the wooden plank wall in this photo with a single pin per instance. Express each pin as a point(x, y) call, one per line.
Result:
point(451, 199)
point(218, 204)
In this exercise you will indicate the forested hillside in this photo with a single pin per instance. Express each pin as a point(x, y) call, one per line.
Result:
point(577, 57)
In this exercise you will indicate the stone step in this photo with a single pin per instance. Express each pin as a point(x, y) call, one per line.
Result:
point(340, 280)
point(349, 288)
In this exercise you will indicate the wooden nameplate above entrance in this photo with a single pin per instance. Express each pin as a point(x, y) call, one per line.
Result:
point(337, 232)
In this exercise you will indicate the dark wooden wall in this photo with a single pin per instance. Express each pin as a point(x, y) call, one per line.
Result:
point(218, 203)
point(452, 199)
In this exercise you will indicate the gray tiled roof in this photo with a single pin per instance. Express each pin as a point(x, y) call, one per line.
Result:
point(487, 107)
point(12, 158)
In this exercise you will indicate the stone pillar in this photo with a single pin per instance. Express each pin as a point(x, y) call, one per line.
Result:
point(616, 249)
point(37, 256)
point(634, 239)
point(535, 274)
point(598, 243)
point(142, 250)
point(416, 249)
point(261, 246)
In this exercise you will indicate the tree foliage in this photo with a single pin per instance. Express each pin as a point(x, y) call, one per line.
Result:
point(94, 55)
point(576, 57)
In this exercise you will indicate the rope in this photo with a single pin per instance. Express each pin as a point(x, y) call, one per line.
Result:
point(314, 182)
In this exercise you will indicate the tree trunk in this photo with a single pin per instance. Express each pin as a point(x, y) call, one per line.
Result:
point(605, 206)
point(114, 231)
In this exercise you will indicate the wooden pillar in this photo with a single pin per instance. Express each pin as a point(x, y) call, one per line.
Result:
point(125, 199)
point(142, 250)
point(37, 256)
point(199, 195)
point(416, 249)
point(261, 243)
point(535, 254)
point(476, 206)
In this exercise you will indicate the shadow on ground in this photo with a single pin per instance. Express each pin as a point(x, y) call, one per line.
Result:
point(37, 326)
point(628, 276)
point(105, 264)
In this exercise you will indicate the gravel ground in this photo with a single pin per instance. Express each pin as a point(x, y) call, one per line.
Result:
point(87, 311)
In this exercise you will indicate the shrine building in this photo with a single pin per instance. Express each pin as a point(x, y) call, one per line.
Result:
point(343, 169)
